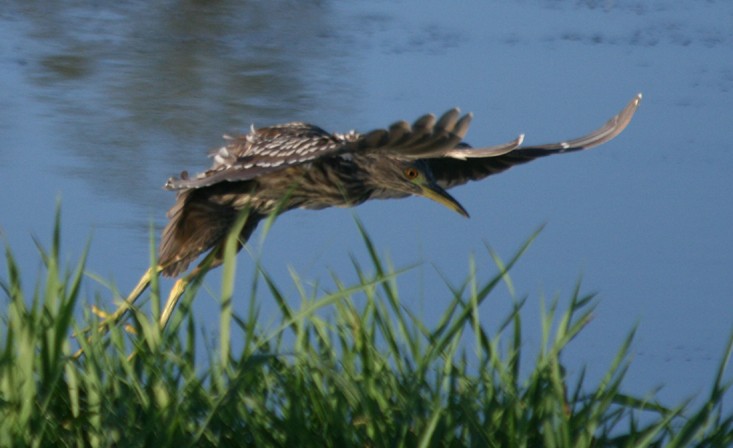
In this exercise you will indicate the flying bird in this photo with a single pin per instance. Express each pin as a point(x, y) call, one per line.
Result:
point(274, 169)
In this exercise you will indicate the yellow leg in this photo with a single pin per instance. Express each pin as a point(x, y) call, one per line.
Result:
point(179, 287)
point(115, 317)
point(130, 300)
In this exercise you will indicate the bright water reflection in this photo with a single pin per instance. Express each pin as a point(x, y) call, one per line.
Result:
point(101, 103)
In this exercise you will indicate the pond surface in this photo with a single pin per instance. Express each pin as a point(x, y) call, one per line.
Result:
point(100, 104)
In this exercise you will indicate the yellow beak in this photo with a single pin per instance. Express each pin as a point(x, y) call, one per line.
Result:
point(440, 196)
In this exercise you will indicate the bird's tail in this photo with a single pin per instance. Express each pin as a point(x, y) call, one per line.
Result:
point(195, 226)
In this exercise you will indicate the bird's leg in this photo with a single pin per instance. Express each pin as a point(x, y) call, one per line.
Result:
point(112, 319)
point(179, 287)
point(240, 231)
point(141, 286)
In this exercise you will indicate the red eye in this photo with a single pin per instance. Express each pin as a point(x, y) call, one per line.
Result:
point(411, 173)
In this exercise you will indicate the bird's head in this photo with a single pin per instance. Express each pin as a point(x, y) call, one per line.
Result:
point(415, 178)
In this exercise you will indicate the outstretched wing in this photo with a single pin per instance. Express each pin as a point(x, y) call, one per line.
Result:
point(439, 141)
point(262, 151)
point(427, 138)
point(466, 164)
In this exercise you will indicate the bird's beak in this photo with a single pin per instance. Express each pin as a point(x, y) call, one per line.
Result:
point(440, 196)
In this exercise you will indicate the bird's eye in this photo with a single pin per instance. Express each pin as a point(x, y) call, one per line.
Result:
point(411, 173)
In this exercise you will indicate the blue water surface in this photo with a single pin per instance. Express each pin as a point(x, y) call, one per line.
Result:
point(100, 103)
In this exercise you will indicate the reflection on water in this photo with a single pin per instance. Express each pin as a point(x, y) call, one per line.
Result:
point(101, 102)
point(140, 86)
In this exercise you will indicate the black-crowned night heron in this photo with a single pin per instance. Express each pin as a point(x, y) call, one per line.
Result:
point(298, 165)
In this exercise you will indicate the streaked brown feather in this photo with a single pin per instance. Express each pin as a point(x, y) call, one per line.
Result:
point(199, 220)
point(300, 165)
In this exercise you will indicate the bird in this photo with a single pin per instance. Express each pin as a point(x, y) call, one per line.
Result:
point(273, 169)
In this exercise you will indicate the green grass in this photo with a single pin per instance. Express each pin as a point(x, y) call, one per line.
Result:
point(353, 367)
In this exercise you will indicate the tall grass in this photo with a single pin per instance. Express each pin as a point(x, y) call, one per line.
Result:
point(349, 368)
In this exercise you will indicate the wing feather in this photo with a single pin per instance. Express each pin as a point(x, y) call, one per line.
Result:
point(263, 151)
point(427, 137)
point(464, 164)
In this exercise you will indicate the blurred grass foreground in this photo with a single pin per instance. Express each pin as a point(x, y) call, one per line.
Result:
point(352, 367)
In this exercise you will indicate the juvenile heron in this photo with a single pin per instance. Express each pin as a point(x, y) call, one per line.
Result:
point(298, 165)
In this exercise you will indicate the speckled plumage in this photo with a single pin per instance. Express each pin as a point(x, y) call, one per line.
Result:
point(298, 165)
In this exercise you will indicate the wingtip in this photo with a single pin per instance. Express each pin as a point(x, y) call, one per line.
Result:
point(637, 100)
point(624, 117)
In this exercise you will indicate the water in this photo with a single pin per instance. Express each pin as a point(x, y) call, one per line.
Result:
point(101, 103)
